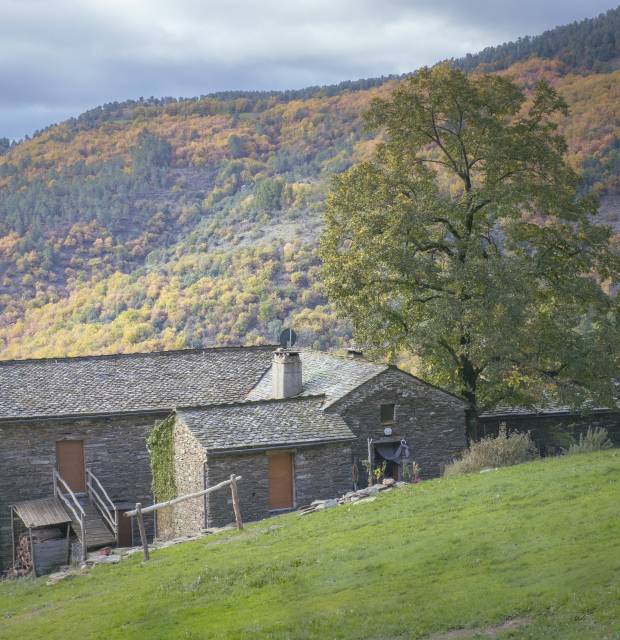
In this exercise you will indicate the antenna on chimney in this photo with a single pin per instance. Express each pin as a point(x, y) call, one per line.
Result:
point(288, 338)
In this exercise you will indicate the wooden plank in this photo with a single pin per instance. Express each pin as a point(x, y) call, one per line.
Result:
point(50, 555)
point(43, 512)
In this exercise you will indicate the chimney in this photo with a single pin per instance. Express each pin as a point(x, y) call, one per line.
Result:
point(354, 352)
point(286, 374)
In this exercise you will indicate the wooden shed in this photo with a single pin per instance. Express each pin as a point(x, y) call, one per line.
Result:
point(40, 535)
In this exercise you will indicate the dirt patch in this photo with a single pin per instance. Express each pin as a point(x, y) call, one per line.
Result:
point(481, 632)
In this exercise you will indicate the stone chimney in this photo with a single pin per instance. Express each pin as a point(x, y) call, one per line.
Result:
point(286, 374)
point(354, 352)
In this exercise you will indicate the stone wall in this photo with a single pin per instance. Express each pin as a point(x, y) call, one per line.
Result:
point(189, 457)
point(551, 433)
point(114, 450)
point(319, 472)
point(432, 421)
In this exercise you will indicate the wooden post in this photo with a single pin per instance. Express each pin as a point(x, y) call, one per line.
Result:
point(371, 460)
point(235, 500)
point(83, 538)
point(34, 562)
point(68, 543)
point(140, 518)
point(13, 534)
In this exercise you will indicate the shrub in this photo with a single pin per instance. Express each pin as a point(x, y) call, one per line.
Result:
point(505, 450)
point(594, 440)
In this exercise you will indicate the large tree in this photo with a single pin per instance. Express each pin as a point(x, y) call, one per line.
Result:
point(465, 242)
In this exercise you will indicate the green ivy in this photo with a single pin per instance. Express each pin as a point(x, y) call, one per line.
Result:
point(161, 447)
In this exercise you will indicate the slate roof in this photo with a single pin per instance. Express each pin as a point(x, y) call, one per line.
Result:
point(325, 374)
point(551, 410)
point(129, 382)
point(264, 423)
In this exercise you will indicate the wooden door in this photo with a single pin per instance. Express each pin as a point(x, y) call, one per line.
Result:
point(125, 533)
point(280, 476)
point(70, 463)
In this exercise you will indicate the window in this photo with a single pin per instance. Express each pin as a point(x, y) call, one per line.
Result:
point(387, 414)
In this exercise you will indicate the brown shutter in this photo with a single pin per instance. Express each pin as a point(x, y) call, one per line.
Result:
point(70, 463)
point(280, 476)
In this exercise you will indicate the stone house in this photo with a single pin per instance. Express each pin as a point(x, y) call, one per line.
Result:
point(294, 425)
point(302, 434)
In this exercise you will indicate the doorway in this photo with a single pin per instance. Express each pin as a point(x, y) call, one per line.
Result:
point(280, 477)
point(70, 464)
point(125, 530)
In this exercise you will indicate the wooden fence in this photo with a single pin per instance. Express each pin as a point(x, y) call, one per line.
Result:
point(139, 512)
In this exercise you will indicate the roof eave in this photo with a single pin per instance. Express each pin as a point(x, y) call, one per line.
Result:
point(85, 416)
point(217, 452)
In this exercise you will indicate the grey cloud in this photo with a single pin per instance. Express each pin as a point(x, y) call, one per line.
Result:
point(60, 57)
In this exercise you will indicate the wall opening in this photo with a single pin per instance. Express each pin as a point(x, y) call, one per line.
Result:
point(280, 478)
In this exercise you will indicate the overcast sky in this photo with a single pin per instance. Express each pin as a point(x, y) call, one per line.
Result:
point(61, 57)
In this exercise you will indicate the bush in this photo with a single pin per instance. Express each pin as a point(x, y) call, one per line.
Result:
point(594, 440)
point(505, 450)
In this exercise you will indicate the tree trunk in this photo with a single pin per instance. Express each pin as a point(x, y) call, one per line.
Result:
point(471, 424)
point(469, 378)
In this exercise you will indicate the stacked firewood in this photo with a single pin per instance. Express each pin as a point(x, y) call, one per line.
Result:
point(23, 557)
point(23, 552)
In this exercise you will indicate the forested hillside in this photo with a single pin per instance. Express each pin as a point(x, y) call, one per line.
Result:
point(163, 223)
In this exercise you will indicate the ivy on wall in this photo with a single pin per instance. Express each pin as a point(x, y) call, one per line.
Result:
point(161, 448)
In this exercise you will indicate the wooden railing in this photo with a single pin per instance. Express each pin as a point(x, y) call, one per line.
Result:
point(72, 504)
point(102, 502)
point(138, 512)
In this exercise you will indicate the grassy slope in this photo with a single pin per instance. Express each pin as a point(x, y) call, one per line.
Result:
point(540, 541)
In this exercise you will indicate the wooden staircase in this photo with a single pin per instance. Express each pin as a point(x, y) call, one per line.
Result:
point(95, 531)
point(94, 517)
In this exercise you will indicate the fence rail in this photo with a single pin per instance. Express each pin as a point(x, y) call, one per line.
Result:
point(139, 512)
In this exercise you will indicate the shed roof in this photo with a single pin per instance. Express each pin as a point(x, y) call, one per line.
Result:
point(325, 374)
point(41, 513)
point(129, 382)
point(549, 410)
point(264, 424)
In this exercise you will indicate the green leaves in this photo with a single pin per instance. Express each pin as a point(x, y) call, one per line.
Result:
point(463, 242)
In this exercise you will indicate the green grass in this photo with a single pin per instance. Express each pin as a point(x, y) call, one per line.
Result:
point(539, 541)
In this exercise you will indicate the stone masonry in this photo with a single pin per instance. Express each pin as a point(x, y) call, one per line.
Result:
point(320, 472)
point(189, 460)
point(114, 449)
point(431, 420)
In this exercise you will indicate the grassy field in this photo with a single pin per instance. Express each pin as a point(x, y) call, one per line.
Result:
point(536, 545)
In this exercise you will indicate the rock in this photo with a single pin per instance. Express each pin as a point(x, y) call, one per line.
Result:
point(364, 500)
point(327, 504)
point(388, 482)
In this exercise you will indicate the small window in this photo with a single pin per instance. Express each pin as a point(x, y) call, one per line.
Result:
point(387, 414)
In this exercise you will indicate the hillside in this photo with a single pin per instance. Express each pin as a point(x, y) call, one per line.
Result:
point(531, 551)
point(142, 225)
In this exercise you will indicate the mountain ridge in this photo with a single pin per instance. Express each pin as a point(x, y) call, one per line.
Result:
point(182, 224)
